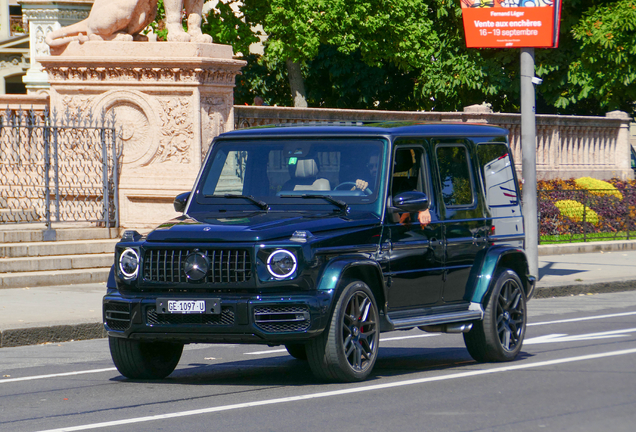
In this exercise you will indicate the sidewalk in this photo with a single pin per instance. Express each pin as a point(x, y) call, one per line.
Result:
point(73, 312)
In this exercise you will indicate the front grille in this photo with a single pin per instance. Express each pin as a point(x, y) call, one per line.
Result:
point(117, 316)
point(281, 319)
point(225, 318)
point(226, 266)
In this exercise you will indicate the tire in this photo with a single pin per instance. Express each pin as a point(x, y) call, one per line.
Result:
point(347, 350)
point(144, 360)
point(499, 336)
point(297, 351)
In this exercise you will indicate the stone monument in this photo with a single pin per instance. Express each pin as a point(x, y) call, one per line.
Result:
point(170, 99)
point(44, 17)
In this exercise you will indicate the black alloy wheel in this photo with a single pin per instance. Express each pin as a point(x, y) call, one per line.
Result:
point(499, 336)
point(347, 349)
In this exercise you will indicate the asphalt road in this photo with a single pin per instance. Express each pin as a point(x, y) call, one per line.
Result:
point(577, 372)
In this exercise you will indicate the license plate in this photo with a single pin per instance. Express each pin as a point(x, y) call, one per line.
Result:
point(186, 306)
point(169, 306)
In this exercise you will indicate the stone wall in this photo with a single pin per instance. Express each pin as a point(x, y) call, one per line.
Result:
point(567, 146)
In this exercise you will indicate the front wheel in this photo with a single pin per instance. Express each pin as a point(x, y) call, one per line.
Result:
point(144, 360)
point(347, 350)
point(297, 351)
point(499, 336)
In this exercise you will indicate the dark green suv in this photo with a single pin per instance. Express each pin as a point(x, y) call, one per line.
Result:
point(320, 238)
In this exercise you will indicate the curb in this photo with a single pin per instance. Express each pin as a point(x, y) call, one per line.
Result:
point(51, 334)
point(72, 332)
point(591, 288)
point(589, 247)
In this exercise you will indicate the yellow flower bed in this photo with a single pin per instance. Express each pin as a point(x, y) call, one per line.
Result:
point(598, 187)
point(574, 210)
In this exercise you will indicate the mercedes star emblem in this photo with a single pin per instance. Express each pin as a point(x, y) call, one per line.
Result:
point(196, 266)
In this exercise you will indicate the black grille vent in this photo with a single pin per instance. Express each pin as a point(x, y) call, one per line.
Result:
point(117, 316)
point(225, 318)
point(281, 319)
point(226, 266)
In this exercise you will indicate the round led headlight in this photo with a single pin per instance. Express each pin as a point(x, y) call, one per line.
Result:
point(281, 263)
point(129, 263)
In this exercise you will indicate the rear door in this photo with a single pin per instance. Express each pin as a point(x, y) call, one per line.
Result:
point(464, 224)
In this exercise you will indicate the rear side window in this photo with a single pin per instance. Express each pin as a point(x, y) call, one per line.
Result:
point(496, 174)
point(455, 176)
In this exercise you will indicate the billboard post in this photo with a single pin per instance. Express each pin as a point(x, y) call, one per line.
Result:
point(525, 24)
point(529, 159)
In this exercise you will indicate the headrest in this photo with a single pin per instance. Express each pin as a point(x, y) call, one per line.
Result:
point(306, 168)
point(403, 161)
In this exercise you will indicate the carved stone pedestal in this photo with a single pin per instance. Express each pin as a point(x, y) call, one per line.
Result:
point(170, 100)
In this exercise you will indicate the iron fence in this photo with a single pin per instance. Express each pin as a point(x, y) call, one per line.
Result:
point(57, 170)
point(582, 215)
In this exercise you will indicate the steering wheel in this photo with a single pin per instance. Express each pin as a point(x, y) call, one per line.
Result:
point(351, 186)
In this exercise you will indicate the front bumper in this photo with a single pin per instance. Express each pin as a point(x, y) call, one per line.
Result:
point(267, 319)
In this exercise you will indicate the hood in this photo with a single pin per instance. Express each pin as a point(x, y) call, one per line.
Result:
point(254, 227)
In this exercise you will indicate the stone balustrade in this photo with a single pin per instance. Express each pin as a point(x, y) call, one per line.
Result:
point(567, 146)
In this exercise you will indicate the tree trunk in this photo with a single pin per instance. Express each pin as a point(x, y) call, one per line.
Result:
point(296, 84)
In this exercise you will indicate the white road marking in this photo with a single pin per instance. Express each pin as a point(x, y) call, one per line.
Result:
point(554, 338)
point(409, 337)
point(595, 317)
point(3, 381)
point(381, 340)
point(284, 350)
point(346, 391)
point(267, 352)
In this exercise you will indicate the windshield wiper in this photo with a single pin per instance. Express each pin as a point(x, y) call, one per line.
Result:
point(261, 204)
point(340, 204)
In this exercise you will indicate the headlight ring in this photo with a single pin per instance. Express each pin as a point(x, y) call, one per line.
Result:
point(282, 263)
point(129, 263)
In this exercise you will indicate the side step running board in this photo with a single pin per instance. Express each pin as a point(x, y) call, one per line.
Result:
point(474, 312)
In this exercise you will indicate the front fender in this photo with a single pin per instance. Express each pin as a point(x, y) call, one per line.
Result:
point(486, 266)
point(363, 268)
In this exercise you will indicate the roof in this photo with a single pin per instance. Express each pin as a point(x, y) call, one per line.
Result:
point(392, 129)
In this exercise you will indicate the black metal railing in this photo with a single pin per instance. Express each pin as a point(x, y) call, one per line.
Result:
point(56, 170)
point(582, 215)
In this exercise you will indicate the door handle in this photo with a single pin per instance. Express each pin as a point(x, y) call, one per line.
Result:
point(435, 242)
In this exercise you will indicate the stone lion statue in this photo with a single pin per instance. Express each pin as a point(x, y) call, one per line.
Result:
point(124, 20)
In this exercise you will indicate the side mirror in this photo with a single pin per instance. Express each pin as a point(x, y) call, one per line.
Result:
point(180, 202)
point(411, 201)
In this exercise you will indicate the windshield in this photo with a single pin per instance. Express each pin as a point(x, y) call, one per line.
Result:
point(284, 173)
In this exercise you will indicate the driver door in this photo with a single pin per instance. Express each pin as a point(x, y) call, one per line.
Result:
point(415, 251)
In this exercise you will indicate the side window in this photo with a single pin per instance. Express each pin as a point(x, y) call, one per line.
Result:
point(496, 174)
point(455, 176)
point(408, 171)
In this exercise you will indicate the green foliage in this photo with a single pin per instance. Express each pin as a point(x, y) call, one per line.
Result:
point(606, 69)
point(598, 187)
point(411, 55)
point(226, 27)
point(575, 210)
point(158, 26)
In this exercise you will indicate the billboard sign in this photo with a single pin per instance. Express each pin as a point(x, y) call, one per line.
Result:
point(511, 23)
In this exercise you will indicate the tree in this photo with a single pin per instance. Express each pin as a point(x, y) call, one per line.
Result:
point(411, 54)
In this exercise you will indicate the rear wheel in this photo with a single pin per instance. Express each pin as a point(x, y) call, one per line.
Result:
point(347, 350)
point(144, 360)
point(297, 351)
point(499, 336)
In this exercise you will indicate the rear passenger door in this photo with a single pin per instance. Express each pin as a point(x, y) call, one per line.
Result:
point(464, 225)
